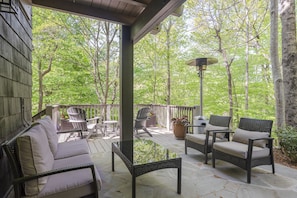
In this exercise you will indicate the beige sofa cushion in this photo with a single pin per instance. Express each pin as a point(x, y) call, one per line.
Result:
point(73, 183)
point(243, 136)
point(35, 157)
point(240, 149)
point(210, 127)
point(51, 133)
point(72, 148)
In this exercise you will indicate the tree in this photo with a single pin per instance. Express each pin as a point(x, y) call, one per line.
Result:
point(289, 60)
point(98, 41)
point(47, 39)
point(167, 28)
point(276, 67)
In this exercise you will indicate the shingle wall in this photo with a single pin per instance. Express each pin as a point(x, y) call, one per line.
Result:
point(15, 79)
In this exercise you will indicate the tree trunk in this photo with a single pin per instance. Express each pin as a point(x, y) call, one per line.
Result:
point(168, 28)
point(276, 67)
point(289, 60)
point(40, 90)
point(42, 73)
point(228, 63)
point(247, 34)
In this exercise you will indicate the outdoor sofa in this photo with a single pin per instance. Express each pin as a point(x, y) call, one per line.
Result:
point(42, 167)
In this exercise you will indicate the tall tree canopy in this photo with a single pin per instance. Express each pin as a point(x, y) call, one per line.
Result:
point(85, 65)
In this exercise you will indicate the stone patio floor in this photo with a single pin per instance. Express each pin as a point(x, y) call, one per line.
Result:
point(198, 179)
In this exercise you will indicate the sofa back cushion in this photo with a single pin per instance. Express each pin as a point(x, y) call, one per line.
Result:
point(51, 133)
point(210, 127)
point(35, 157)
point(243, 136)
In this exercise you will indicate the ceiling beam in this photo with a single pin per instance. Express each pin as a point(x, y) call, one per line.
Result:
point(132, 2)
point(84, 10)
point(154, 13)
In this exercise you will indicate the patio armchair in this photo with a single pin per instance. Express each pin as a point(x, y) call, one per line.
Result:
point(251, 146)
point(203, 141)
point(77, 117)
point(140, 121)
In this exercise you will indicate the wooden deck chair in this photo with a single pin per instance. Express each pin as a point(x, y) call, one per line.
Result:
point(140, 121)
point(77, 117)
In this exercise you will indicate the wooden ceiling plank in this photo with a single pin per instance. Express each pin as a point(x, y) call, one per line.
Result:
point(87, 11)
point(132, 2)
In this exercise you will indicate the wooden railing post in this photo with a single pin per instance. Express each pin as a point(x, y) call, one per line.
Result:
point(54, 113)
point(108, 112)
point(168, 117)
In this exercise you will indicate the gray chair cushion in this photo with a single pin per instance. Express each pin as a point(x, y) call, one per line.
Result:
point(210, 127)
point(200, 139)
point(243, 136)
point(240, 150)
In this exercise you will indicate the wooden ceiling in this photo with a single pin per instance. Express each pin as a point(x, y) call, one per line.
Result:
point(141, 15)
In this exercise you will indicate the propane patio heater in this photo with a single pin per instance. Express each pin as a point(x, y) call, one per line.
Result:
point(201, 65)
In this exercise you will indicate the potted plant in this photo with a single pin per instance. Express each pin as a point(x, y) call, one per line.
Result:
point(178, 125)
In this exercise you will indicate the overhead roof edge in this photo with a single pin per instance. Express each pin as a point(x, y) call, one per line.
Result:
point(84, 10)
point(155, 12)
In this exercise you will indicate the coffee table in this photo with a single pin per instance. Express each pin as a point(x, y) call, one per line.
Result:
point(147, 156)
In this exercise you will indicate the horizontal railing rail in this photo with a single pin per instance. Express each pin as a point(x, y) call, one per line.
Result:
point(163, 113)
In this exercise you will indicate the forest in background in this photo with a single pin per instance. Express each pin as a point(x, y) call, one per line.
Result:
point(76, 60)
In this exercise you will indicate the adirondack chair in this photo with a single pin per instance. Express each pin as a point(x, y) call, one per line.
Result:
point(203, 142)
point(251, 146)
point(140, 121)
point(77, 117)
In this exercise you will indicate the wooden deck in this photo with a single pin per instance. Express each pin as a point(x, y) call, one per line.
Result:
point(161, 136)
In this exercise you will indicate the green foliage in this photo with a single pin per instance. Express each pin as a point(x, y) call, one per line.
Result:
point(71, 80)
point(288, 141)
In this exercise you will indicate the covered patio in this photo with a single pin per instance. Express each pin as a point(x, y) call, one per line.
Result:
point(198, 179)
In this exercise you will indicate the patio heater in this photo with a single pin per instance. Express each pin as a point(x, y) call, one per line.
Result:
point(201, 65)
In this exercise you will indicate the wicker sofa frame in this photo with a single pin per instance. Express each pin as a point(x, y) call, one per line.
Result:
point(11, 150)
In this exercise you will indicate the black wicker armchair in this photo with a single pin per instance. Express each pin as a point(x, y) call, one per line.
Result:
point(203, 142)
point(251, 146)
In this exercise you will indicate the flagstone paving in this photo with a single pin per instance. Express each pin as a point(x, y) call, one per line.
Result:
point(198, 179)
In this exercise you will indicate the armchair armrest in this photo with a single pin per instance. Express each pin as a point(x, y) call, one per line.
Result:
point(269, 139)
point(77, 121)
point(221, 131)
point(195, 125)
point(214, 132)
point(20, 180)
point(251, 144)
point(94, 119)
point(69, 131)
point(192, 126)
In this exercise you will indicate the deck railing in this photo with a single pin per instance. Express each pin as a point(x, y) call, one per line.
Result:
point(162, 114)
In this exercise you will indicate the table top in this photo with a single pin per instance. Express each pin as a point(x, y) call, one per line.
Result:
point(146, 151)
